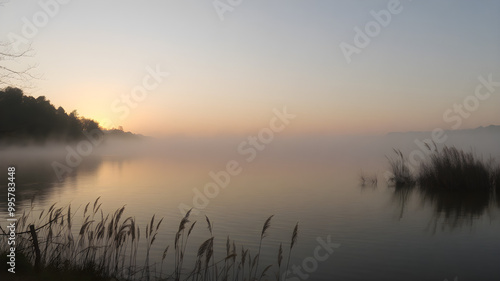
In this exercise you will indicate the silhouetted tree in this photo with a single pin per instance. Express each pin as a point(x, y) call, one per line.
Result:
point(24, 118)
point(89, 124)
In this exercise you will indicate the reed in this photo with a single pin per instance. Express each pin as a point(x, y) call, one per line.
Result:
point(454, 169)
point(292, 243)
point(365, 180)
point(107, 246)
point(449, 169)
point(401, 175)
point(263, 234)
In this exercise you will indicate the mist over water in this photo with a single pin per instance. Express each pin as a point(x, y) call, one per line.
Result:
point(254, 101)
point(312, 180)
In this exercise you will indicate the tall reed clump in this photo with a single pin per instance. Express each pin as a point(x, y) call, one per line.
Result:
point(449, 169)
point(105, 246)
point(401, 175)
point(454, 169)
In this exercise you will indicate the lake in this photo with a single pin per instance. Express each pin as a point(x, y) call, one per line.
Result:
point(346, 231)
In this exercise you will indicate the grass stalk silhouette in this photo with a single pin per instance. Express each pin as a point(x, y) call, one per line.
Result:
point(105, 246)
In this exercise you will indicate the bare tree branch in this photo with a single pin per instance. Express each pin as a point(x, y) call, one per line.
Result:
point(13, 72)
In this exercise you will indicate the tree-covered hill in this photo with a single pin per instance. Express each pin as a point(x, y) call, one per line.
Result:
point(25, 119)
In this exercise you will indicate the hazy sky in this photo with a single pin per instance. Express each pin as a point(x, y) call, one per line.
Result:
point(226, 76)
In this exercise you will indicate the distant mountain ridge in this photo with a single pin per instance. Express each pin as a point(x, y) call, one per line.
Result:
point(480, 129)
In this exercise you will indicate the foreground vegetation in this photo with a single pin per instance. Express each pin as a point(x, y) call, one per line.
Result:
point(108, 246)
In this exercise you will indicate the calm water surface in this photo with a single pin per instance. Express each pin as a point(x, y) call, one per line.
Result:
point(382, 233)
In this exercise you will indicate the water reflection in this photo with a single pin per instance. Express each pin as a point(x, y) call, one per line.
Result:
point(450, 210)
point(498, 197)
point(456, 209)
point(400, 197)
point(36, 180)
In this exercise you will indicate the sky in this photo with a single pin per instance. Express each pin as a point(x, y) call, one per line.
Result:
point(231, 62)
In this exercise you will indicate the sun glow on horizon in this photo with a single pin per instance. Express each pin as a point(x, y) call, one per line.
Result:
point(227, 76)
